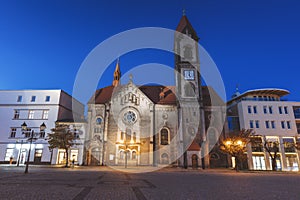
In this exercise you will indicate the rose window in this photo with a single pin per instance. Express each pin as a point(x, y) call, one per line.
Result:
point(129, 117)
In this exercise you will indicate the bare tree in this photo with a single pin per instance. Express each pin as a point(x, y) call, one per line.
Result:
point(272, 147)
point(61, 137)
point(235, 144)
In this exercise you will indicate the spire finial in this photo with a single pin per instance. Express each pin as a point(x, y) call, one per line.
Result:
point(117, 74)
point(130, 78)
point(183, 12)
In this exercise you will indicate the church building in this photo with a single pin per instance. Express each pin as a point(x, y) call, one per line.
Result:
point(153, 125)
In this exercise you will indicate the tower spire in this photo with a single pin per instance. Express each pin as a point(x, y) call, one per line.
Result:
point(117, 74)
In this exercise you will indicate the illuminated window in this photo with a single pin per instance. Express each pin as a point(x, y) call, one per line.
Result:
point(9, 154)
point(133, 155)
point(164, 136)
point(45, 114)
point(31, 114)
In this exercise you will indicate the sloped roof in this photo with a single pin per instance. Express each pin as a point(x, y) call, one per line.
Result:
point(153, 93)
point(104, 95)
point(194, 146)
point(185, 23)
point(264, 91)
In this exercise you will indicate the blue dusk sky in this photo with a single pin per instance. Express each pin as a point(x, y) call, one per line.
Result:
point(254, 43)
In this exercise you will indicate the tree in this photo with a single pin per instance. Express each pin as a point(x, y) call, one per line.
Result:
point(272, 147)
point(235, 144)
point(61, 137)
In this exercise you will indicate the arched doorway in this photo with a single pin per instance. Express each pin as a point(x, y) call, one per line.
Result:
point(194, 161)
point(95, 156)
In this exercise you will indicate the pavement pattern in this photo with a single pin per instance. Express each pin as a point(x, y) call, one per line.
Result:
point(106, 183)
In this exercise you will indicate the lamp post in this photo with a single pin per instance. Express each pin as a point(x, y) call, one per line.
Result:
point(31, 138)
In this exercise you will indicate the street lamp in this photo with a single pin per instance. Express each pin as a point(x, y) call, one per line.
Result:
point(31, 138)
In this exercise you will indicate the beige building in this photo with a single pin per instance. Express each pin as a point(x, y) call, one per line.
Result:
point(273, 119)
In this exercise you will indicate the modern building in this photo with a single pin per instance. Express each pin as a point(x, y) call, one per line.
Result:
point(130, 124)
point(273, 119)
point(34, 108)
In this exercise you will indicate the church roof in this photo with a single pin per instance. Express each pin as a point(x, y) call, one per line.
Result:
point(185, 23)
point(104, 95)
point(153, 93)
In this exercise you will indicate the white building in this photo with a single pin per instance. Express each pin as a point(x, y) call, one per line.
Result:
point(273, 119)
point(34, 107)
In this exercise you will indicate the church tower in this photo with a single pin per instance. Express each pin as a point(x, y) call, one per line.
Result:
point(188, 88)
point(117, 74)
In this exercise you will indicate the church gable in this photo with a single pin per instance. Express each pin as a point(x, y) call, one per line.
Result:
point(130, 95)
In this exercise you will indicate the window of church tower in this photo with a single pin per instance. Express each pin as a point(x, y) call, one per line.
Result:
point(189, 90)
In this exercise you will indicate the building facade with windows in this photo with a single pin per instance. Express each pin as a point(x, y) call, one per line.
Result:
point(130, 124)
point(274, 120)
point(34, 107)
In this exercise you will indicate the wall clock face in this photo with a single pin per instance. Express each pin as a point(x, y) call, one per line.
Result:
point(189, 74)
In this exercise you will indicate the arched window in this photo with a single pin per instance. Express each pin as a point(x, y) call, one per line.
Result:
point(189, 89)
point(122, 136)
point(164, 158)
point(121, 154)
point(134, 136)
point(164, 136)
point(133, 155)
point(128, 135)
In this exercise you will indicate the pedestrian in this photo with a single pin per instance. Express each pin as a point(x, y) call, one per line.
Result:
point(73, 162)
point(11, 160)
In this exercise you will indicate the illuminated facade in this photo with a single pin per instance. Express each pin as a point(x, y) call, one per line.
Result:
point(33, 107)
point(156, 125)
point(274, 120)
